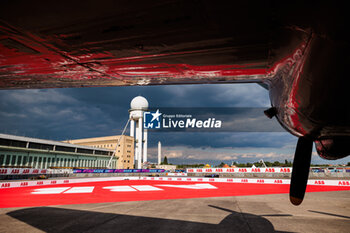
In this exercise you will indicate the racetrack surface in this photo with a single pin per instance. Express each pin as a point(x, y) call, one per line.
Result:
point(137, 190)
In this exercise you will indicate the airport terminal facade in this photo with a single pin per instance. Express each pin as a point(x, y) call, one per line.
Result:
point(124, 152)
point(18, 151)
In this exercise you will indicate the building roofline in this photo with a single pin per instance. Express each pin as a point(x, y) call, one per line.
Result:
point(95, 139)
point(48, 142)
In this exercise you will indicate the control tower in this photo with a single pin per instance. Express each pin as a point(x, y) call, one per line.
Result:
point(138, 106)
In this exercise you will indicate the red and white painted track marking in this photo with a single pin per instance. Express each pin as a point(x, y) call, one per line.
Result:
point(121, 188)
point(138, 190)
point(80, 190)
point(49, 190)
point(16, 184)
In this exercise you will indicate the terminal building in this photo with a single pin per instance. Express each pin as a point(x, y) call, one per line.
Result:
point(124, 152)
point(18, 151)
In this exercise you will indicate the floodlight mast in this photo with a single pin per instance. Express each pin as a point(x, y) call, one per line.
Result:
point(262, 161)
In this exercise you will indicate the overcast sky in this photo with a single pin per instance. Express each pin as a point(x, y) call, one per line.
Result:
point(73, 113)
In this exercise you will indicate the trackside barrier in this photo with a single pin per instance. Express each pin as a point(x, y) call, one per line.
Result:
point(176, 174)
point(118, 170)
point(241, 170)
point(189, 179)
point(251, 181)
point(32, 171)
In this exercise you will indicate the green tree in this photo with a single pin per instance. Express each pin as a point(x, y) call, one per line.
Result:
point(221, 164)
point(257, 164)
point(268, 164)
point(276, 164)
point(165, 161)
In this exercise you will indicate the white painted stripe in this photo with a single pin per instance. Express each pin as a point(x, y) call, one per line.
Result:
point(190, 186)
point(50, 190)
point(146, 188)
point(122, 188)
point(80, 190)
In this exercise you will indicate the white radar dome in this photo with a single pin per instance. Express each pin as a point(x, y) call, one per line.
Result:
point(139, 103)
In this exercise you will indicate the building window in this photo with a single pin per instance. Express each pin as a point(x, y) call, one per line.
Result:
point(2, 158)
point(13, 162)
point(19, 161)
point(24, 160)
point(8, 158)
point(35, 160)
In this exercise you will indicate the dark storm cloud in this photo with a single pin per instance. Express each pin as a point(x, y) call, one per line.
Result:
point(219, 140)
point(61, 114)
point(87, 112)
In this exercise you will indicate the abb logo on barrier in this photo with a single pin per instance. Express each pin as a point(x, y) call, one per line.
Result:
point(5, 185)
point(15, 171)
point(24, 184)
point(347, 183)
point(285, 170)
point(3, 171)
point(319, 182)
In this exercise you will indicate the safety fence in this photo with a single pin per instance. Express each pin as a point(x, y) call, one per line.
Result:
point(32, 171)
point(118, 170)
point(240, 170)
point(266, 170)
point(167, 179)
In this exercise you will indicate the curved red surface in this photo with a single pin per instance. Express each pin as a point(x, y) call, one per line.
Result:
point(23, 197)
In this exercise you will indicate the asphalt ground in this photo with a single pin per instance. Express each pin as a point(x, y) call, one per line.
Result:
point(155, 206)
